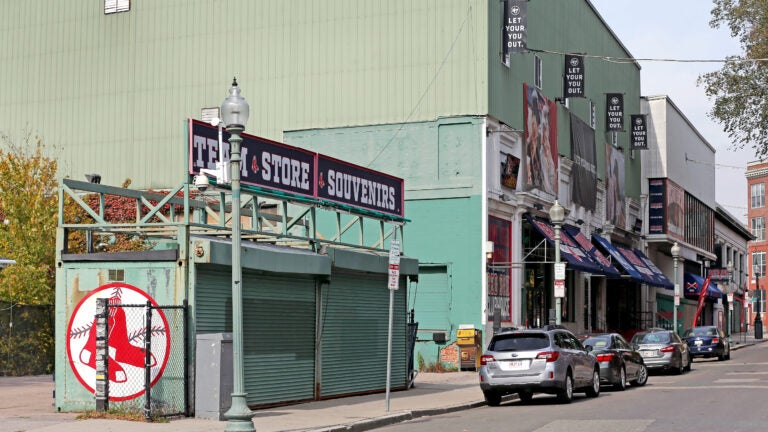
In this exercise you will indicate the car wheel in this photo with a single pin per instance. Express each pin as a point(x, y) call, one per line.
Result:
point(680, 366)
point(721, 357)
point(566, 394)
point(525, 396)
point(594, 390)
point(642, 376)
point(492, 398)
point(621, 384)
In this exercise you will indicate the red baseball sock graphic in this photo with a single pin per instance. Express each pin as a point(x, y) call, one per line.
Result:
point(125, 352)
point(88, 357)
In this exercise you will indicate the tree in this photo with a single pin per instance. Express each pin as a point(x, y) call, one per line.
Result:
point(740, 88)
point(28, 200)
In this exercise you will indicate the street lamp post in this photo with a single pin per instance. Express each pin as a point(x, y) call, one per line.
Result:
point(675, 256)
point(758, 317)
point(234, 113)
point(557, 216)
point(729, 294)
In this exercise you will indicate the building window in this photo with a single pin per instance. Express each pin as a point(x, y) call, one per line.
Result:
point(758, 228)
point(758, 263)
point(114, 6)
point(757, 192)
point(537, 67)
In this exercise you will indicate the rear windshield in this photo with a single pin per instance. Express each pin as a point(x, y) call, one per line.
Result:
point(650, 338)
point(598, 342)
point(700, 331)
point(519, 342)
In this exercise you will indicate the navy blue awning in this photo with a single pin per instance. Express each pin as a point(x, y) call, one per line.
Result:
point(694, 283)
point(618, 258)
point(659, 277)
point(576, 257)
point(596, 255)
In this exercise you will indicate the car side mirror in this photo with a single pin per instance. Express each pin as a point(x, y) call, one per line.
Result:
point(588, 348)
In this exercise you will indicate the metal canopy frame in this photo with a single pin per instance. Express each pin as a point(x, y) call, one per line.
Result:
point(269, 217)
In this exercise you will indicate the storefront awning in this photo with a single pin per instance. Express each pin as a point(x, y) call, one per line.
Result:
point(618, 258)
point(694, 283)
point(658, 276)
point(576, 257)
point(596, 255)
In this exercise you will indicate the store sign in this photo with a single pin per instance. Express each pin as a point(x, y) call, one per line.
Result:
point(573, 80)
point(280, 167)
point(614, 112)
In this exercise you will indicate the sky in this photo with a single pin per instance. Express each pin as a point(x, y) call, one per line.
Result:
point(679, 29)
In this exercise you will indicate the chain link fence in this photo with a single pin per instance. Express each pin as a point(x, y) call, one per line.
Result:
point(146, 357)
point(26, 339)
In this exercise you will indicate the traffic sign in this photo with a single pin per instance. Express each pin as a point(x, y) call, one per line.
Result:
point(560, 271)
point(394, 265)
point(559, 288)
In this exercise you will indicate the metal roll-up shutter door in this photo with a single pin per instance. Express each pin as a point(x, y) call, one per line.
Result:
point(278, 338)
point(278, 330)
point(354, 332)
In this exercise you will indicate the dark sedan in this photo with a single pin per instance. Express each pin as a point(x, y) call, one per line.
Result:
point(707, 341)
point(619, 362)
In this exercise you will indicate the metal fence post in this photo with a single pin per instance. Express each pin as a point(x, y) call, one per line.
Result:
point(148, 361)
point(102, 349)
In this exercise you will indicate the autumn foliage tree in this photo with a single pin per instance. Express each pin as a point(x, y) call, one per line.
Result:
point(740, 87)
point(28, 201)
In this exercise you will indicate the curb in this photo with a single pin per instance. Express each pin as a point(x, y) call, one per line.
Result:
point(377, 422)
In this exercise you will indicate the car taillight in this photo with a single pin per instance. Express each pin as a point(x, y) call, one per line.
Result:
point(715, 340)
point(550, 356)
point(605, 357)
point(486, 358)
point(668, 349)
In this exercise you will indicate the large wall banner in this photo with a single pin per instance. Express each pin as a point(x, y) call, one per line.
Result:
point(656, 206)
point(614, 112)
point(540, 118)
point(614, 186)
point(280, 167)
point(675, 211)
point(515, 29)
point(584, 175)
point(639, 131)
point(499, 279)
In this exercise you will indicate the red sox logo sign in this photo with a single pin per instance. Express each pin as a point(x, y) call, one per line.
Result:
point(125, 341)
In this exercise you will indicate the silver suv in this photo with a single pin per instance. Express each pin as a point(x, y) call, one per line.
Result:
point(545, 360)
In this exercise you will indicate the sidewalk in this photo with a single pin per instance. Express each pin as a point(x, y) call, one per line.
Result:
point(26, 404)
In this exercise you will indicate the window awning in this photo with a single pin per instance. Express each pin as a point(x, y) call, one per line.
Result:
point(618, 258)
point(694, 283)
point(658, 276)
point(570, 250)
point(596, 255)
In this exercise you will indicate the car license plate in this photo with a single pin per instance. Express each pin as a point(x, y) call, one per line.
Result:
point(698, 342)
point(513, 365)
point(649, 353)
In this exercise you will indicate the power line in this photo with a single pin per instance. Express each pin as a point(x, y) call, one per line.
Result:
point(670, 60)
point(713, 164)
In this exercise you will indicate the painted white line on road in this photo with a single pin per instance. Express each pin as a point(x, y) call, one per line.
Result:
point(638, 425)
point(722, 387)
point(736, 380)
point(746, 373)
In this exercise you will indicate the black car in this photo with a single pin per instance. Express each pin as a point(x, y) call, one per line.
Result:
point(619, 362)
point(707, 341)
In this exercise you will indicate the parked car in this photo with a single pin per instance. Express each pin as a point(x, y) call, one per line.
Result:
point(619, 362)
point(707, 341)
point(525, 362)
point(663, 349)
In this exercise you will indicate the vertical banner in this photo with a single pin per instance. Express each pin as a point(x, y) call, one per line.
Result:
point(614, 187)
point(639, 132)
point(515, 29)
point(614, 112)
point(584, 174)
point(540, 118)
point(573, 79)
point(675, 211)
point(656, 206)
point(510, 169)
point(499, 278)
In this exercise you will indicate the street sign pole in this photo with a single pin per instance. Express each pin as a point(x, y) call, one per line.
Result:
point(394, 284)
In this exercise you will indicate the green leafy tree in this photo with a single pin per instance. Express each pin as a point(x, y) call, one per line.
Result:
point(28, 200)
point(740, 87)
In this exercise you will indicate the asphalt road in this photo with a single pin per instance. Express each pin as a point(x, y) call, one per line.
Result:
point(715, 396)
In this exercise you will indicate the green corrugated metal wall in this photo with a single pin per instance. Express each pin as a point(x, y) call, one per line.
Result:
point(355, 331)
